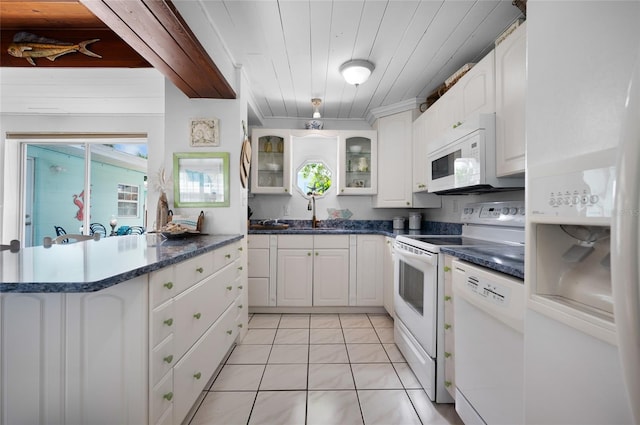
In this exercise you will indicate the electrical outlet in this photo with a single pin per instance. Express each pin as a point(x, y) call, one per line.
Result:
point(285, 210)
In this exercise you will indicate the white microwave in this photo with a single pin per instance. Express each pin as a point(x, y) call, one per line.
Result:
point(468, 163)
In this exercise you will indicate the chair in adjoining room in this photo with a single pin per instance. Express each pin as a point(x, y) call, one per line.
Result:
point(135, 230)
point(64, 239)
point(98, 228)
point(14, 246)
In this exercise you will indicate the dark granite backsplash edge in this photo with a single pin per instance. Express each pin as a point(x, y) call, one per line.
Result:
point(428, 227)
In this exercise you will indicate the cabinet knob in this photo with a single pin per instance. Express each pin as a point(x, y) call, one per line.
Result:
point(197, 315)
point(286, 190)
point(240, 286)
point(447, 268)
point(240, 306)
point(447, 326)
point(169, 358)
point(239, 248)
point(317, 253)
point(227, 256)
point(168, 285)
point(447, 297)
point(197, 375)
point(342, 190)
point(229, 332)
point(447, 384)
point(229, 288)
point(168, 396)
point(447, 354)
point(240, 268)
point(408, 203)
point(200, 270)
point(308, 254)
point(240, 325)
point(168, 322)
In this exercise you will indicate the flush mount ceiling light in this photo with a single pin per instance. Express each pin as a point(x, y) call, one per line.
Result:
point(356, 72)
point(316, 105)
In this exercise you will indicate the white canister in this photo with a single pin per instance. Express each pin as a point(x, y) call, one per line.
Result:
point(398, 223)
point(415, 221)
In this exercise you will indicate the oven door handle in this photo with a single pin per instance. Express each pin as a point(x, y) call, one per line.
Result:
point(425, 257)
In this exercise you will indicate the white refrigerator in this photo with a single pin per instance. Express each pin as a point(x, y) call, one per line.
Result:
point(582, 326)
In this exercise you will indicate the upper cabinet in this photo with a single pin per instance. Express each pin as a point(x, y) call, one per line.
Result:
point(422, 127)
point(511, 88)
point(358, 163)
point(271, 161)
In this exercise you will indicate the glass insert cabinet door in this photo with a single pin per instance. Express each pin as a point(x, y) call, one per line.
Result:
point(271, 161)
point(358, 163)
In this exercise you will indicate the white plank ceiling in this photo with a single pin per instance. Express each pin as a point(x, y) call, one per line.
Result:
point(291, 49)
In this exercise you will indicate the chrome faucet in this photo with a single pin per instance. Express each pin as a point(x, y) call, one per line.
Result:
point(311, 206)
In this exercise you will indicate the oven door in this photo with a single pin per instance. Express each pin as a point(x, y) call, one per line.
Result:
point(415, 298)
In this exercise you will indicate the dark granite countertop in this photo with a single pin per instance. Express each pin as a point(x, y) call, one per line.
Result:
point(506, 259)
point(94, 265)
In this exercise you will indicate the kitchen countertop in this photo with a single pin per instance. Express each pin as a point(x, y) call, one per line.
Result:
point(94, 265)
point(506, 259)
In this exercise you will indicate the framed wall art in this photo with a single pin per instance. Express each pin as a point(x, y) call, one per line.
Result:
point(204, 132)
point(201, 179)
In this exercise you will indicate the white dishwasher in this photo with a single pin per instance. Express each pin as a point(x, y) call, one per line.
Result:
point(489, 362)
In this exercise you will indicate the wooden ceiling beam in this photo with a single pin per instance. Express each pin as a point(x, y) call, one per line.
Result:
point(156, 31)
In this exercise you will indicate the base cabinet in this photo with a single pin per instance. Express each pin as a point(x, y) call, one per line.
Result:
point(295, 277)
point(388, 275)
point(369, 282)
point(449, 354)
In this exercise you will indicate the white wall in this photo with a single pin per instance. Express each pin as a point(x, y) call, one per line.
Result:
point(179, 110)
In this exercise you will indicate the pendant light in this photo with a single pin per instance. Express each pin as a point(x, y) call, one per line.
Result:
point(316, 107)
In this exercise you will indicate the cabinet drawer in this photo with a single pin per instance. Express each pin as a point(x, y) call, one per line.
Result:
point(258, 262)
point(193, 371)
point(162, 285)
point(331, 241)
point(193, 270)
point(295, 242)
point(163, 357)
point(226, 255)
point(167, 417)
point(162, 322)
point(258, 241)
point(161, 398)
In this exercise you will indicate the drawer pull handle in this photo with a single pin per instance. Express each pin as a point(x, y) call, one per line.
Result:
point(240, 249)
point(200, 270)
point(168, 285)
point(239, 286)
point(447, 297)
point(240, 325)
point(308, 254)
point(197, 375)
point(229, 332)
point(447, 268)
point(240, 306)
point(229, 288)
point(447, 384)
point(317, 253)
point(240, 268)
point(197, 315)
point(447, 354)
point(168, 322)
point(169, 358)
point(168, 396)
point(447, 326)
point(227, 256)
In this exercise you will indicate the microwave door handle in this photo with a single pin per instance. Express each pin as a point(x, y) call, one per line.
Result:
point(425, 257)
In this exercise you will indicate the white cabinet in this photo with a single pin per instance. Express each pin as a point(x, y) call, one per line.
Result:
point(32, 380)
point(511, 88)
point(449, 360)
point(357, 163)
point(395, 167)
point(271, 161)
point(369, 264)
point(259, 264)
point(421, 130)
point(313, 270)
point(388, 274)
point(106, 355)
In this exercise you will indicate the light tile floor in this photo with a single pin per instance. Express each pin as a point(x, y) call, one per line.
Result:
point(319, 369)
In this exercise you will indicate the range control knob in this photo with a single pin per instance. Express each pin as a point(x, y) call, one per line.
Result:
point(505, 210)
point(594, 199)
point(513, 211)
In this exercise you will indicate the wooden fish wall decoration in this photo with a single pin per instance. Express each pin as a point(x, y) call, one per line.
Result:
point(29, 46)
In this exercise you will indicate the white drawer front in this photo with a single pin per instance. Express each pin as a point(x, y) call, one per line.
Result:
point(163, 358)
point(161, 398)
point(331, 241)
point(167, 417)
point(295, 241)
point(258, 241)
point(162, 322)
point(258, 261)
point(162, 285)
point(193, 270)
point(226, 255)
point(194, 370)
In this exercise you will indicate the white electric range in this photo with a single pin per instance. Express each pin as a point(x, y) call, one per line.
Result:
point(419, 285)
